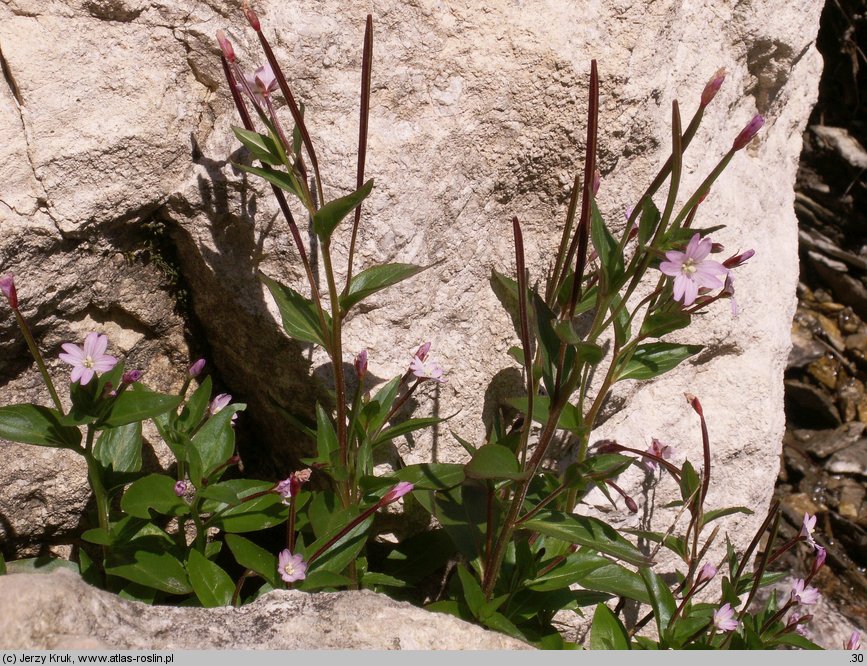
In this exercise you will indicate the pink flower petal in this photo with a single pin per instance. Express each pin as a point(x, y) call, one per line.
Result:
point(671, 268)
point(90, 344)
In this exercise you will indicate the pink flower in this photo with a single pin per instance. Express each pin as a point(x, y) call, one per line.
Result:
point(361, 364)
point(854, 642)
point(748, 132)
point(88, 361)
point(738, 259)
point(659, 450)
point(291, 567)
point(706, 573)
point(430, 370)
point(291, 485)
point(7, 286)
point(691, 271)
point(819, 562)
point(807, 527)
point(396, 493)
point(197, 367)
point(797, 623)
point(801, 594)
point(261, 83)
point(219, 402)
point(713, 86)
point(422, 352)
point(724, 618)
point(181, 488)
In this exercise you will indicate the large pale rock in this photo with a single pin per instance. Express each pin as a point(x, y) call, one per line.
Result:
point(60, 611)
point(114, 117)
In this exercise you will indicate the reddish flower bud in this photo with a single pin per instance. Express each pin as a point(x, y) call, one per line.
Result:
point(396, 493)
point(597, 181)
point(738, 259)
point(132, 376)
point(226, 46)
point(252, 18)
point(423, 351)
point(361, 364)
point(713, 86)
point(608, 446)
point(819, 562)
point(706, 573)
point(7, 286)
point(716, 248)
point(748, 132)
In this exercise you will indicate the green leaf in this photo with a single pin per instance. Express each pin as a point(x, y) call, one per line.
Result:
point(157, 492)
point(605, 245)
point(662, 322)
point(689, 482)
point(317, 580)
point(592, 572)
point(719, 513)
point(261, 146)
point(406, 427)
point(653, 359)
point(32, 424)
point(675, 544)
point(649, 219)
point(255, 558)
point(795, 640)
point(494, 462)
point(327, 446)
point(432, 476)
point(461, 511)
point(473, 594)
point(194, 411)
point(40, 564)
point(586, 531)
point(374, 279)
point(373, 579)
point(215, 441)
point(162, 571)
point(257, 514)
point(2, 565)
point(299, 315)
point(326, 219)
point(137, 404)
point(499, 622)
point(661, 599)
point(607, 631)
point(570, 418)
point(120, 448)
point(279, 178)
point(212, 585)
point(341, 552)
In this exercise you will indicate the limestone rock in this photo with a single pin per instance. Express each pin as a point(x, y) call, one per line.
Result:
point(116, 122)
point(60, 611)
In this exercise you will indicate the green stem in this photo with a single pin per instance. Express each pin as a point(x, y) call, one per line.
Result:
point(94, 477)
point(34, 351)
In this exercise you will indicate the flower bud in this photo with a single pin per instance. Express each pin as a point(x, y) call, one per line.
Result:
point(197, 367)
point(738, 259)
point(854, 642)
point(361, 364)
point(226, 46)
point(181, 488)
point(252, 18)
point(713, 86)
point(608, 446)
point(131, 376)
point(716, 248)
point(819, 562)
point(748, 132)
point(706, 573)
point(422, 352)
point(7, 286)
point(396, 493)
point(597, 181)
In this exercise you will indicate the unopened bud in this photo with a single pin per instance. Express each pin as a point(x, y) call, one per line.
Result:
point(694, 403)
point(423, 351)
point(597, 181)
point(608, 446)
point(361, 364)
point(181, 488)
point(396, 493)
point(738, 259)
point(706, 573)
point(716, 248)
point(713, 86)
point(197, 367)
point(748, 132)
point(7, 286)
point(251, 16)
point(132, 376)
point(630, 504)
point(226, 46)
point(819, 562)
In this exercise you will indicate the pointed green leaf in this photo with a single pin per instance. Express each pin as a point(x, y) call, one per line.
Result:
point(406, 427)
point(374, 279)
point(586, 531)
point(212, 585)
point(432, 476)
point(215, 440)
point(605, 245)
point(162, 571)
point(120, 448)
point(660, 323)
point(300, 319)
point(326, 219)
point(607, 631)
point(261, 146)
point(649, 219)
point(157, 492)
point(279, 178)
point(653, 359)
point(137, 404)
point(661, 599)
point(494, 462)
point(33, 424)
point(194, 411)
point(473, 594)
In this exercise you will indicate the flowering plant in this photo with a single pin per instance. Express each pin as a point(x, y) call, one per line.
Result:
point(508, 538)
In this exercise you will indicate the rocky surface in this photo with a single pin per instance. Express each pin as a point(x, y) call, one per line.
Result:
point(118, 164)
point(824, 470)
point(59, 611)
